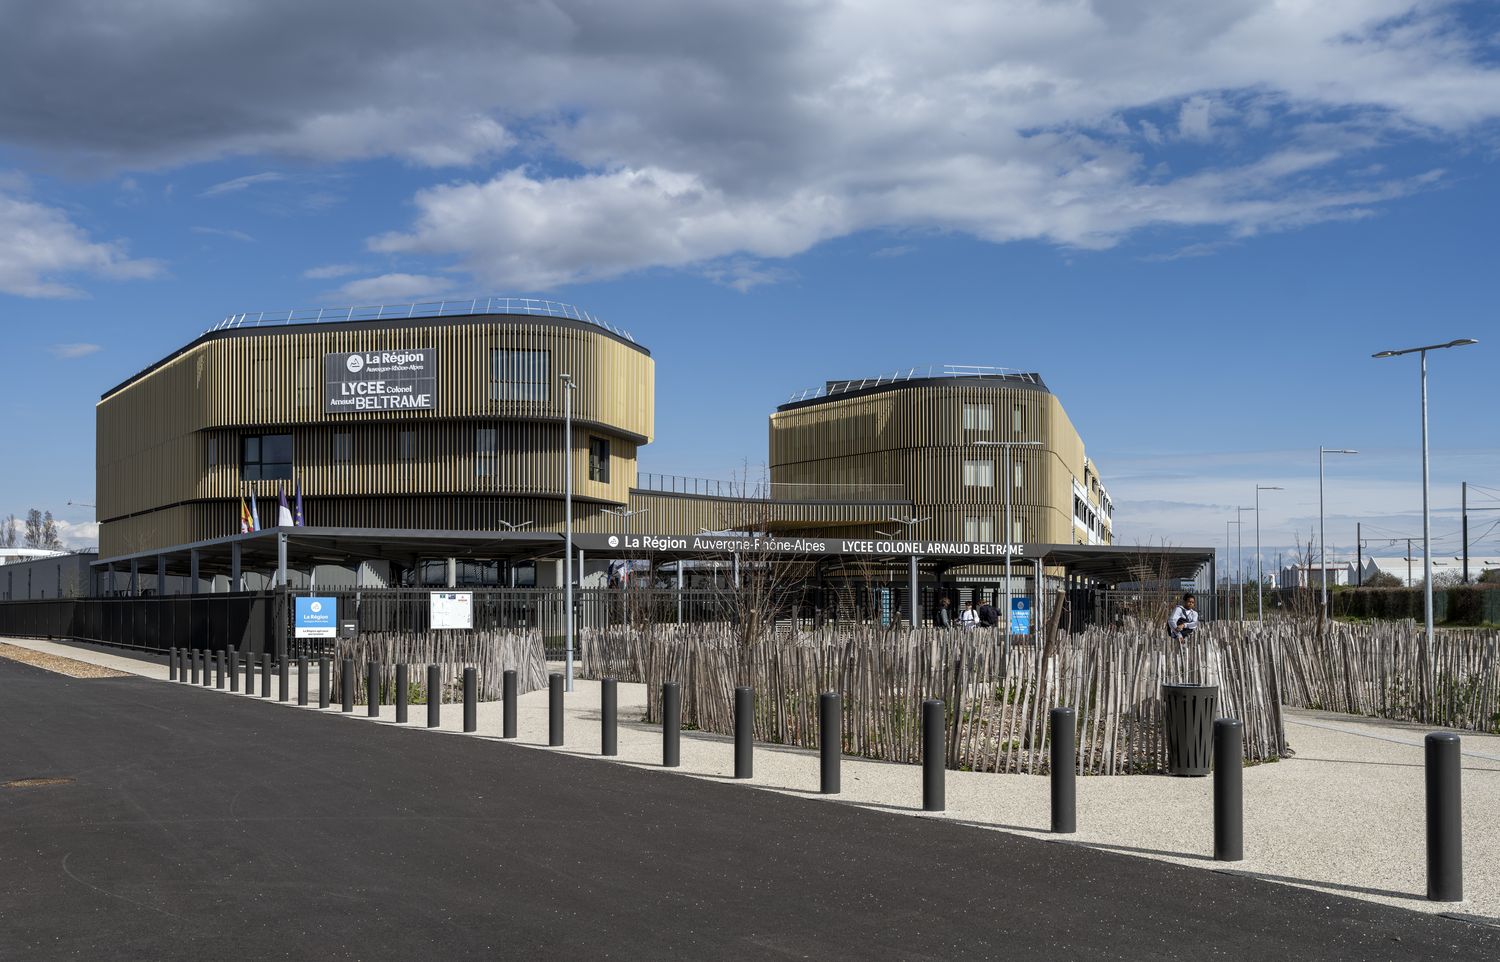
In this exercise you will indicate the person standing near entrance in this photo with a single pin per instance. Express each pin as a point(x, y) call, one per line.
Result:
point(968, 619)
point(1183, 620)
point(944, 616)
point(988, 614)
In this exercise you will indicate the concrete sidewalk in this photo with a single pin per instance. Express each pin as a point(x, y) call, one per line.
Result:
point(1344, 815)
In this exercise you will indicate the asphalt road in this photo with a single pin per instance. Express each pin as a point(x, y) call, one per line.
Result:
point(198, 826)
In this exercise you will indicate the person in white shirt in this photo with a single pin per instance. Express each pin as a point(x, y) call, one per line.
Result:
point(968, 618)
point(1184, 618)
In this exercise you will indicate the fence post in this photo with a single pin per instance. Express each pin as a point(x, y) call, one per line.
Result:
point(346, 684)
point(372, 689)
point(744, 733)
point(302, 680)
point(471, 698)
point(508, 692)
point(234, 669)
point(284, 691)
point(1445, 843)
point(265, 675)
point(934, 752)
point(325, 667)
point(830, 741)
point(554, 709)
point(671, 725)
point(403, 695)
point(434, 696)
point(171, 664)
point(609, 702)
point(1229, 794)
point(1064, 770)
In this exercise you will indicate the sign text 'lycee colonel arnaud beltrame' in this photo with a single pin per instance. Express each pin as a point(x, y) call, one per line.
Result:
point(398, 379)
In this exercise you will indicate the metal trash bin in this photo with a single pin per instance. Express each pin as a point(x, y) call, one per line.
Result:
point(1189, 716)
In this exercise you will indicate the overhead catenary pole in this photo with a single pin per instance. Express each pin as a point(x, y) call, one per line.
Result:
point(1322, 542)
point(1464, 515)
point(1239, 561)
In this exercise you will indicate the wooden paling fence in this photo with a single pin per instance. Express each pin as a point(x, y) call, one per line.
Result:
point(997, 699)
point(491, 653)
point(1381, 669)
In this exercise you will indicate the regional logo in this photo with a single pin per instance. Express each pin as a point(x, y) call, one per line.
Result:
point(614, 542)
point(355, 364)
point(316, 606)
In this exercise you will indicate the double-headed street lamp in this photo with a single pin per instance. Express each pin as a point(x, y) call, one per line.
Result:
point(1010, 533)
point(1260, 578)
point(1426, 512)
point(568, 388)
point(1322, 543)
point(513, 527)
point(911, 521)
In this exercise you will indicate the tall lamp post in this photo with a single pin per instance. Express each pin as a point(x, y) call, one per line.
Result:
point(1260, 578)
point(568, 388)
point(1426, 512)
point(1322, 542)
point(1010, 531)
point(911, 521)
point(1239, 553)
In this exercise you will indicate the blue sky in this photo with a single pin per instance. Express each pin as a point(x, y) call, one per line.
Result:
point(1197, 224)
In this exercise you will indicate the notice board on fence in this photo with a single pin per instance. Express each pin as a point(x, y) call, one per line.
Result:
point(316, 617)
point(451, 609)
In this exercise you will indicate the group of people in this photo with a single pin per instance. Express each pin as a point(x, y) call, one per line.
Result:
point(985, 615)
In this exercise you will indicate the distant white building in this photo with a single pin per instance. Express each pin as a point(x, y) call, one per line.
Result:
point(10, 556)
point(1313, 575)
point(1409, 570)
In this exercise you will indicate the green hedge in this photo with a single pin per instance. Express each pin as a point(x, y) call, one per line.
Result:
point(1464, 605)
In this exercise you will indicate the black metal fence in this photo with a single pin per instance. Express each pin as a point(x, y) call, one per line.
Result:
point(248, 621)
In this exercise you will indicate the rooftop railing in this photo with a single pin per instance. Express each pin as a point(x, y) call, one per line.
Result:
point(914, 374)
point(453, 308)
point(770, 490)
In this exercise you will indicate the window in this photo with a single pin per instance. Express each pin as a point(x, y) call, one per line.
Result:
point(979, 529)
point(266, 457)
point(979, 474)
point(343, 447)
point(406, 446)
point(1018, 418)
point(213, 452)
point(979, 417)
point(1018, 531)
point(484, 451)
point(599, 459)
point(1018, 475)
point(518, 375)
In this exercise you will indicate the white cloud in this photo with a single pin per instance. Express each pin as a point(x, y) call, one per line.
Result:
point(330, 271)
point(40, 246)
point(1195, 119)
point(70, 351)
point(228, 232)
point(241, 183)
point(390, 288)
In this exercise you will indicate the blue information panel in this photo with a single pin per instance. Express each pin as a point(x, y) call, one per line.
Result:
point(1020, 616)
point(317, 617)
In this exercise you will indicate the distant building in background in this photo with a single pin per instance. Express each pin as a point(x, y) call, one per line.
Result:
point(1314, 575)
point(34, 573)
point(1409, 570)
point(17, 555)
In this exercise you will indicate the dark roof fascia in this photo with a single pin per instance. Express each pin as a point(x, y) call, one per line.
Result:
point(1007, 382)
point(371, 325)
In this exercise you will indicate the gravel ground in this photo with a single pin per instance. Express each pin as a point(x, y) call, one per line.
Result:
point(71, 667)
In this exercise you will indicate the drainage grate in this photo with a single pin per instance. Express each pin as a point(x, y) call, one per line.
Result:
point(36, 782)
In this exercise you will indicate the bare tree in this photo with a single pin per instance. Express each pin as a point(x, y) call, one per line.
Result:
point(10, 534)
point(34, 530)
point(50, 540)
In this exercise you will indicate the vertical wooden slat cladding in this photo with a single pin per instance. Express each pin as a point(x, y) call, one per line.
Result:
point(171, 436)
point(914, 434)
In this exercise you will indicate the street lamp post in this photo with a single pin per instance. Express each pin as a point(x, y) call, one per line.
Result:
point(1260, 578)
point(1229, 573)
point(1322, 542)
point(1239, 553)
point(513, 527)
point(568, 388)
point(1005, 455)
point(911, 521)
point(1426, 512)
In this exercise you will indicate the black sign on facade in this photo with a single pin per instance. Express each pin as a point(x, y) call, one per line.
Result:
point(401, 379)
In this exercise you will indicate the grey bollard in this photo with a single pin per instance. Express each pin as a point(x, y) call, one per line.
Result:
point(219, 670)
point(1229, 790)
point(208, 668)
point(372, 689)
point(609, 715)
point(671, 725)
point(284, 688)
point(509, 693)
point(471, 700)
point(744, 733)
point(193, 657)
point(403, 693)
point(234, 669)
point(1064, 770)
point(830, 741)
point(934, 754)
point(555, 710)
point(171, 664)
point(434, 697)
point(1445, 843)
point(249, 674)
point(265, 675)
point(346, 685)
point(325, 668)
point(302, 680)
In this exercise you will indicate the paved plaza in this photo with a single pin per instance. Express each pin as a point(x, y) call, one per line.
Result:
point(189, 823)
